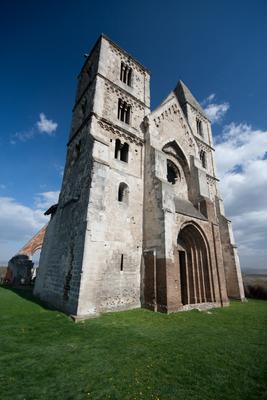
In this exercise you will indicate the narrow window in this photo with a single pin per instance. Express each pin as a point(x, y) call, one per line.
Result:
point(123, 193)
point(126, 74)
point(124, 152)
point(117, 148)
point(124, 111)
point(125, 77)
point(199, 127)
point(121, 262)
point(77, 150)
point(129, 79)
point(203, 158)
point(84, 106)
point(120, 110)
point(127, 115)
point(122, 71)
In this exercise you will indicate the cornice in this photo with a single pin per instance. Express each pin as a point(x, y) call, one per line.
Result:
point(204, 143)
point(118, 88)
point(212, 178)
point(118, 131)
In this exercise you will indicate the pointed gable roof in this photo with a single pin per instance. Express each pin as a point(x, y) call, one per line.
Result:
point(185, 96)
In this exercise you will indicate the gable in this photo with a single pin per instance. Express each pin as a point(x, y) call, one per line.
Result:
point(168, 123)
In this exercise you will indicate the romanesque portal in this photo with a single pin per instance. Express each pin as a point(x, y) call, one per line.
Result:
point(195, 268)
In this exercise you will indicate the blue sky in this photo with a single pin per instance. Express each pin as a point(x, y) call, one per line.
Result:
point(216, 48)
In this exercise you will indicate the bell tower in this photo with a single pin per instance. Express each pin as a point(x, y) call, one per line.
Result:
point(91, 257)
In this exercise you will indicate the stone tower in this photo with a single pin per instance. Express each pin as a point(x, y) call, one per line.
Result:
point(93, 247)
point(139, 220)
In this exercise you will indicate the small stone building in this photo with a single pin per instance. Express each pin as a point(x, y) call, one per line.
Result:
point(140, 221)
point(21, 269)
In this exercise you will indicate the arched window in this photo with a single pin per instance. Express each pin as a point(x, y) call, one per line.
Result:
point(124, 152)
point(203, 158)
point(172, 172)
point(121, 150)
point(117, 148)
point(199, 127)
point(124, 111)
point(126, 74)
point(129, 77)
point(123, 193)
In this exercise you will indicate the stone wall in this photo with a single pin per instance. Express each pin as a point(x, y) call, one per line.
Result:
point(234, 282)
point(58, 278)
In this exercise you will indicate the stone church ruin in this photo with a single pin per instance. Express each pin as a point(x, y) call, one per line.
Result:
point(140, 221)
point(20, 270)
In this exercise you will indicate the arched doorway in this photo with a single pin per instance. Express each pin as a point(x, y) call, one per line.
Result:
point(195, 269)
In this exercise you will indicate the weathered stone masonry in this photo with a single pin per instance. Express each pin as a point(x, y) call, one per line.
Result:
point(139, 220)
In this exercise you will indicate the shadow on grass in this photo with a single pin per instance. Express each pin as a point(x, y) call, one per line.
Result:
point(26, 292)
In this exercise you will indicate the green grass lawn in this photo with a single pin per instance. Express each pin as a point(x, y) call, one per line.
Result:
point(132, 355)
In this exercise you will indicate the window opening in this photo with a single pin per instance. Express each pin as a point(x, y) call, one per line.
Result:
point(172, 172)
point(199, 127)
point(121, 150)
point(126, 74)
point(124, 152)
point(78, 150)
point(124, 111)
point(203, 158)
point(129, 80)
point(121, 262)
point(84, 105)
point(117, 148)
point(123, 193)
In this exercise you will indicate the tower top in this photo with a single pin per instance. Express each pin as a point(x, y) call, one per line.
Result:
point(124, 52)
point(121, 50)
point(185, 96)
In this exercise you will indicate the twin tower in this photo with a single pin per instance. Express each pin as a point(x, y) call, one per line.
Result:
point(140, 221)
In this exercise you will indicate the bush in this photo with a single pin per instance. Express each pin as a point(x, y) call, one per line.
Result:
point(256, 291)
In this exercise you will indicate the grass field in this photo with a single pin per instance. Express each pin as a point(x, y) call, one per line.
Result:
point(132, 355)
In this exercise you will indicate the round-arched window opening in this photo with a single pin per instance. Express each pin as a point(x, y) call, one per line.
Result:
point(123, 193)
point(172, 172)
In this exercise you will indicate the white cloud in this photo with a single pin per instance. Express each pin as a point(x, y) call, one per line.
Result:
point(46, 125)
point(22, 136)
point(239, 145)
point(214, 111)
point(208, 99)
point(18, 223)
point(242, 167)
point(45, 200)
point(211, 97)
